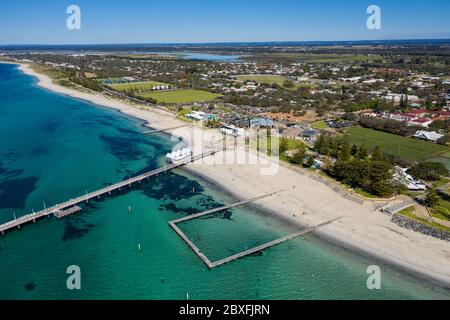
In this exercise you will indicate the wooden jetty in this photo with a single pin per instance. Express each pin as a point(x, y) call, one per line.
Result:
point(234, 205)
point(245, 253)
point(269, 244)
point(164, 130)
point(194, 248)
point(32, 217)
point(68, 212)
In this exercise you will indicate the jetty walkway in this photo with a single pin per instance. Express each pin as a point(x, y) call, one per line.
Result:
point(61, 207)
point(245, 253)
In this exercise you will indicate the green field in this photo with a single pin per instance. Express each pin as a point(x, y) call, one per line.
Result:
point(319, 125)
point(270, 79)
point(180, 96)
point(138, 86)
point(407, 148)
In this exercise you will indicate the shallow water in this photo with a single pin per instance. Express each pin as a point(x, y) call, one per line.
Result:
point(54, 148)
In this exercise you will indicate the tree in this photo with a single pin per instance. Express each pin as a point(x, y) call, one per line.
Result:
point(429, 104)
point(346, 151)
point(430, 171)
point(377, 154)
point(299, 155)
point(289, 84)
point(283, 145)
point(363, 152)
point(445, 139)
point(310, 161)
point(431, 198)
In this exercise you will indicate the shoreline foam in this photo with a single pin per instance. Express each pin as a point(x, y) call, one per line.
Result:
point(364, 231)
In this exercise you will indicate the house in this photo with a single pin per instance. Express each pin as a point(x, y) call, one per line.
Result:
point(292, 133)
point(310, 135)
point(421, 122)
point(200, 116)
point(428, 136)
point(401, 175)
point(397, 116)
point(419, 112)
point(261, 123)
point(231, 130)
point(353, 79)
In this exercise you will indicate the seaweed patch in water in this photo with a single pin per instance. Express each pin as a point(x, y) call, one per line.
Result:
point(52, 126)
point(39, 150)
point(14, 192)
point(173, 187)
point(30, 286)
point(76, 228)
point(173, 208)
point(123, 148)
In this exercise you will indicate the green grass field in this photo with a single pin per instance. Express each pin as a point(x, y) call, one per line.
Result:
point(407, 148)
point(136, 86)
point(180, 96)
point(319, 125)
point(271, 79)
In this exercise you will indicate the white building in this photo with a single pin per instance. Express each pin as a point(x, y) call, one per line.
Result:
point(428, 136)
point(231, 130)
point(406, 179)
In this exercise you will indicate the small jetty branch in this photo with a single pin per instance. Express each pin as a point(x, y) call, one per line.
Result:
point(248, 252)
point(68, 212)
point(234, 205)
point(164, 130)
point(54, 210)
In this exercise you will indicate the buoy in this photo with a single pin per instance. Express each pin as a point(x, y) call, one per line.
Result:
point(139, 247)
point(187, 296)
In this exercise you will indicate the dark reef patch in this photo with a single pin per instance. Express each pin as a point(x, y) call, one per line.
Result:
point(14, 192)
point(123, 148)
point(76, 228)
point(172, 187)
point(126, 131)
point(52, 126)
point(30, 286)
point(10, 155)
point(39, 150)
point(8, 174)
point(173, 208)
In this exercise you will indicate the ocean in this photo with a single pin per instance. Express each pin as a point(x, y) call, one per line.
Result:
point(53, 148)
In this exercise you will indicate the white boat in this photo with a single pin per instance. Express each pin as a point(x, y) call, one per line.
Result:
point(179, 155)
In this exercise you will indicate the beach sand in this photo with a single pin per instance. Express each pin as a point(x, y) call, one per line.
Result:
point(305, 201)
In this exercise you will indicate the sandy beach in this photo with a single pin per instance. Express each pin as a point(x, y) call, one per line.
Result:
point(305, 201)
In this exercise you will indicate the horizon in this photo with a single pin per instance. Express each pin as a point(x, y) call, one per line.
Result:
point(201, 22)
point(292, 42)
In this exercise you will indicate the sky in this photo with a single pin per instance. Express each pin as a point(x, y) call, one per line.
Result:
point(202, 21)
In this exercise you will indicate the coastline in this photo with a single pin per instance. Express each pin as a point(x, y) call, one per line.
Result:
point(364, 231)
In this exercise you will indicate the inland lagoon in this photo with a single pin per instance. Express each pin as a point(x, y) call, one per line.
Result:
point(53, 148)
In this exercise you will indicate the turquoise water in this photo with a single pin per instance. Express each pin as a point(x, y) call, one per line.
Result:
point(53, 148)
